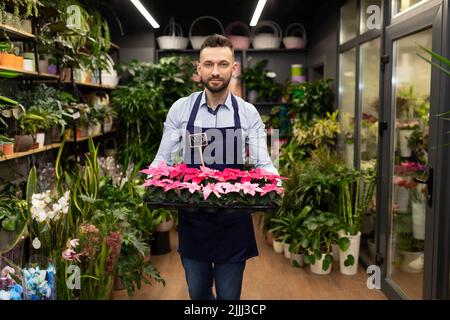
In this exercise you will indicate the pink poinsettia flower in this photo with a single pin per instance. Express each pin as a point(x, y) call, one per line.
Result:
point(230, 174)
point(206, 173)
point(229, 187)
point(156, 183)
point(212, 188)
point(270, 188)
point(192, 174)
point(192, 187)
point(172, 185)
point(161, 170)
point(250, 188)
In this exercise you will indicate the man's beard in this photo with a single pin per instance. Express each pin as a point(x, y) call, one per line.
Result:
point(218, 89)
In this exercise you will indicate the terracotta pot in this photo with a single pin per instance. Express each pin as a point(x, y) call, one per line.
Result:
point(79, 133)
point(23, 143)
point(8, 148)
point(9, 60)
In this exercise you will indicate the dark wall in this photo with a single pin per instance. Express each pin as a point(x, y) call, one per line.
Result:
point(140, 46)
point(323, 41)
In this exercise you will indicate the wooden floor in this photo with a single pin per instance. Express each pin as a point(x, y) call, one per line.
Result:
point(267, 277)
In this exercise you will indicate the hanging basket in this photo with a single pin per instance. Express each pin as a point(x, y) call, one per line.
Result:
point(197, 41)
point(172, 38)
point(238, 41)
point(295, 36)
point(266, 40)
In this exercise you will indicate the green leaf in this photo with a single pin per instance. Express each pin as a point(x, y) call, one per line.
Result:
point(295, 264)
point(9, 224)
point(344, 243)
point(349, 261)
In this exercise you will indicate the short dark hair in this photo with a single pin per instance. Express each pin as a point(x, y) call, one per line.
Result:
point(215, 41)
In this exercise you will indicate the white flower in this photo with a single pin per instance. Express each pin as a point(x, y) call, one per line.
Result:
point(271, 75)
point(39, 214)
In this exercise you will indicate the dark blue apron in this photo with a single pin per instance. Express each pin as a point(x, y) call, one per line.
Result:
point(216, 237)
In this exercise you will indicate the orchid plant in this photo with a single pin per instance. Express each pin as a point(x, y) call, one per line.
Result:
point(222, 188)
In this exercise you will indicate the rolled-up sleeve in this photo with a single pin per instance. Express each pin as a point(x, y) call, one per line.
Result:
point(257, 143)
point(171, 139)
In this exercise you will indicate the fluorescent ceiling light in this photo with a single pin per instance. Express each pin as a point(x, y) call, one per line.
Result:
point(257, 13)
point(145, 13)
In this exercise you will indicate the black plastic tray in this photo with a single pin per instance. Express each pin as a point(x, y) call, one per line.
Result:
point(189, 207)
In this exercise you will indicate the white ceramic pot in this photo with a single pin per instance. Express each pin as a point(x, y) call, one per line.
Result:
point(287, 253)
point(317, 266)
point(298, 258)
point(40, 138)
point(353, 250)
point(165, 226)
point(43, 65)
point(278, 246)
point(403, 200)
point(419, 210)
point(412, 262)
point(403, 136)
point(107, 124)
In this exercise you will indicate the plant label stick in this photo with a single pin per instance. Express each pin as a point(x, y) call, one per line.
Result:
point(199, 140)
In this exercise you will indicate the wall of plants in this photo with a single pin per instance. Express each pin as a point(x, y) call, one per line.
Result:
point(75, 229)
point(324, 199)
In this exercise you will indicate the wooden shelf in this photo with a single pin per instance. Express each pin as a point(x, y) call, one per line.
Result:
point(90, 85)
point(31, 74)
point(21, 72)
point(30, 152)
point(16, 34)
point(93, 137)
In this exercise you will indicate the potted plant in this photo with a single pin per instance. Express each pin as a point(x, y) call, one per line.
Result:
point(354, 192)
point(290, 225)
point(260, 83)
point(163, 220)
point(30, 124)
point(309, 100)
point(411, 252)
point(321, 232)
point(405, 130)
point(12, 222)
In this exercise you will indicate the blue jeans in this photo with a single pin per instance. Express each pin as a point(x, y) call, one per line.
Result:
point(200, 276)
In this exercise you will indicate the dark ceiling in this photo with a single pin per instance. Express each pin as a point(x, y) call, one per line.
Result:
point(185, 12)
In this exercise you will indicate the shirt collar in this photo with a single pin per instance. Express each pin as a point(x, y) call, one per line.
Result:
point(227, 104)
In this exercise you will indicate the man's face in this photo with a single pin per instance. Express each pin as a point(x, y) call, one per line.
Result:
point(216, 68)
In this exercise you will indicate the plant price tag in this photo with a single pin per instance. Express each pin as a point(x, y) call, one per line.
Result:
point(76, 116)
